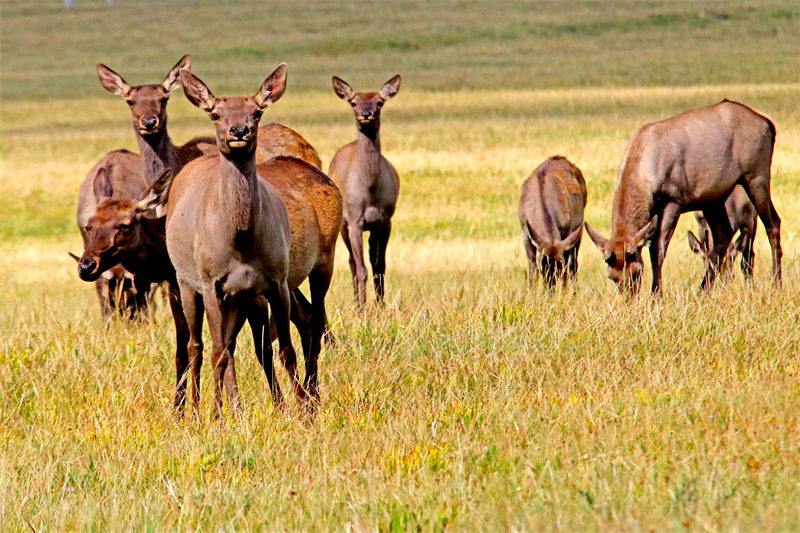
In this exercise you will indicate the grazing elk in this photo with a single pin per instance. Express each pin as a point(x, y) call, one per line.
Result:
point(369, 185)
point(229, 239)
point(743, 218)
point(551, 215)
point(688, 162)
point(122, 170)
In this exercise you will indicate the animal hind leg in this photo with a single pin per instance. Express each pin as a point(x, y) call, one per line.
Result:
point(319, 281)
point(262, 341)
point(378, 240)
point(530, 253)
point(758, 190)
point(280, 306)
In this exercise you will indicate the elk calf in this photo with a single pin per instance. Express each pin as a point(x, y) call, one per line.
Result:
point(743, 218)
point(369, 185)
point(688, 162)
point(551, 215)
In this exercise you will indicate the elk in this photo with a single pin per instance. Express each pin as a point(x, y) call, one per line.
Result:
point(551, 216)
point(369, 185)
point(684, 163)
point(743, 218)
point(229, 239)
point(121, 170)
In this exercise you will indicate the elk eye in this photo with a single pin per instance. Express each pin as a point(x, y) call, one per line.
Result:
point(352, 104)
point(214, 116)
point(130, 102)
point(379, 104)
point(86, 229)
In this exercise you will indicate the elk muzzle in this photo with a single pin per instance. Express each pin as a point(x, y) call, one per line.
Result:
point(87, 269)
point(148, 125)
point(239, 136)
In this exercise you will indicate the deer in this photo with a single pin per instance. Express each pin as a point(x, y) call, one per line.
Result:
point(369, 184)
point(551, 216)
point(688, 162)
point(743, 219)
point(235, 255)
point(122, 168)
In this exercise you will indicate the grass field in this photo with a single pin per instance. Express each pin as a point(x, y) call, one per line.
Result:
point(469, 402)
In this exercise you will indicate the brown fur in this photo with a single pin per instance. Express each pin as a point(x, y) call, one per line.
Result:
point(551, 216)
point(229, 238)
point(684, 163)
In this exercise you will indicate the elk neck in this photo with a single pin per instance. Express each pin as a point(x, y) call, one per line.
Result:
point(369, 153)
point(150, 258)
point(158, 154)
point(633, 201)
point(238, 190)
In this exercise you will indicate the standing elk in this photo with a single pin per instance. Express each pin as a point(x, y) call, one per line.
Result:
point(369, 185)
point(743, 218)
point(551, 216)
point(229, 238)
point(688, 162)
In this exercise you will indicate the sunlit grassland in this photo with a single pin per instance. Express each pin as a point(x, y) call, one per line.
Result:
point(469, 401)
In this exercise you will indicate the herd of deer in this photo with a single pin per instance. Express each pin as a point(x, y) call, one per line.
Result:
point(233, 224)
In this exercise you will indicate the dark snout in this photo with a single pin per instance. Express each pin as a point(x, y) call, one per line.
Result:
point(87, 269)
point(149, 124)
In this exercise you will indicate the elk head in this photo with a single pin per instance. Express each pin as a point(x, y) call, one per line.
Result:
point(623, 255)
point(551, 253)
point(115, 227)
point(148, 103)
point(705, 248)
point(235, 117)
point(366, 106)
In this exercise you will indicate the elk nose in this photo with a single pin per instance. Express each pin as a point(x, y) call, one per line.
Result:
point(149, 123)
point(87, 266)
point(365, 115)
point(238, 132)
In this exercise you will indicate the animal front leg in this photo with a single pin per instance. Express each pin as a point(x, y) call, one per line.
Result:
point(280, 302)
point(660, 242)
point(181, 350)
point(262, 340)
point(356, 238)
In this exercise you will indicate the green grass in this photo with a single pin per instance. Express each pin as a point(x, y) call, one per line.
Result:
point(469, 402)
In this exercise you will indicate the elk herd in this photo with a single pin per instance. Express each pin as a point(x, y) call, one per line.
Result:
point(232, 224)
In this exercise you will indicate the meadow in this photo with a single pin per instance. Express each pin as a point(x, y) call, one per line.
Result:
point(470, 401)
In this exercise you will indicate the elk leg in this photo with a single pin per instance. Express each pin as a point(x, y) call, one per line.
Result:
point(104, 297)
point(356, 237)
point(141, 296)
point(305, 307)
point(232, 321)
point(262, 340)
point(192, 308)
point(219, 359)
point(572, 262)
point(721, 235)
point(758, 191)
point(351, 259)
point(301, 318)
point(181, 350)
point(378, 240)
point(530, 252)
point(319, 282)
point(280, 305)
point(658, 245)
point(748, 255)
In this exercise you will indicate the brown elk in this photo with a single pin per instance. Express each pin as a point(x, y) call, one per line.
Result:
point(551, 216)
point(121, 170)
point(688, 162)
point(369, 185)
point(229, 239)
point(743, 218)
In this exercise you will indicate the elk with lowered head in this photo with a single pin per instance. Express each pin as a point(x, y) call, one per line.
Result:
point(551, 215)
point(688, 162)
point(369, 185)
point(743, 218)
point(229, 239)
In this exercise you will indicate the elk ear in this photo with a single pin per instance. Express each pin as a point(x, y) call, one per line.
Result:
point(735, 246)
point(644, 235)
point(598, 240)
point(695, 245)
point(536, 240)
point(572, 239)
point(156, 195)
point(342, 88)
point(390, 88)
point(112, 82)
point(196, 91)
point(272, 88)
point(75, 257)
point(102, 186)
point(173, 80)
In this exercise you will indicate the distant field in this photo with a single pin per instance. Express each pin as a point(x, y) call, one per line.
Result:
point(469, 402)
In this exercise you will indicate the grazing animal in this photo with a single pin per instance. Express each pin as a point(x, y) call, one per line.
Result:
point(688, 162)
point(551, 215)
point(369, 185)
point(229, 239)
point(120, 170)
point(743, 218)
